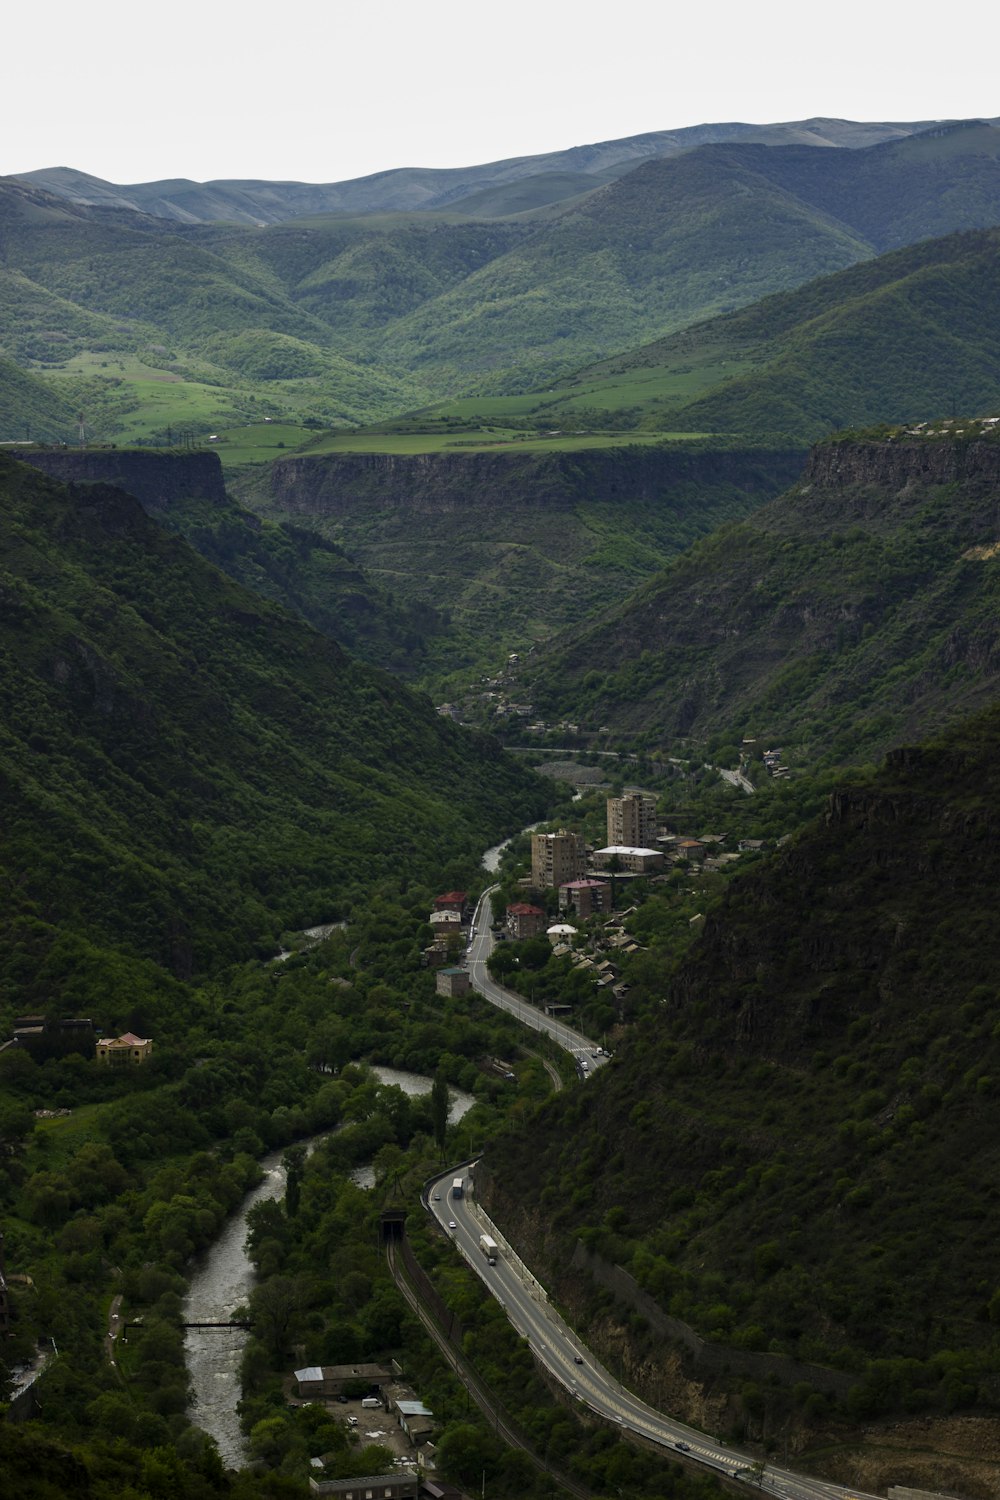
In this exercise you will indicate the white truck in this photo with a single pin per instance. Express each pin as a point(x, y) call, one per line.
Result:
point(458, 1187)
point(489, 1247)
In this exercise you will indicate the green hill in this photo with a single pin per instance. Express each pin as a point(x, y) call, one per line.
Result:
point(797, 1157)
point(187, 770)
point(351, 318)
point(29, 409)
point(903, 337)
point(857, 609)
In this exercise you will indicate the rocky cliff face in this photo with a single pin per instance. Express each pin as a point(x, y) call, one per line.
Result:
point(898, 465)
point(155, 479)
point(336, 484)
point(516, 544)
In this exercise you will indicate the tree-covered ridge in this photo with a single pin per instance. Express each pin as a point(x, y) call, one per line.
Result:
point(345, 319)
point(857, 609)
point(308, 574)
point(187, 770)
point(797, 1153)
point(902, 337)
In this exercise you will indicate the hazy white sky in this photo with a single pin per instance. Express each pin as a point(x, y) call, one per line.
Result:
point(134, 92)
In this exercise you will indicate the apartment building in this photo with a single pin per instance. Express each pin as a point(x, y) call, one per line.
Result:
point(632, 820)
point(557, 858)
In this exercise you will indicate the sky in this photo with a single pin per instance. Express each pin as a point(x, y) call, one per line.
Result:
point(323, 93)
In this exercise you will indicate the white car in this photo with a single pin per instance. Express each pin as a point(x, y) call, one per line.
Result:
point(452, 1224)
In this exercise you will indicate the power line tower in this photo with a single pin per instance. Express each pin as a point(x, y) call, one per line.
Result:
point(81, 430)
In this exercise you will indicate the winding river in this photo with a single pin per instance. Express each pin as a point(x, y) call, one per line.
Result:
point(224, 1279)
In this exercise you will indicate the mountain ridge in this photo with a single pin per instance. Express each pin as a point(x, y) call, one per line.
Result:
point(373, 192)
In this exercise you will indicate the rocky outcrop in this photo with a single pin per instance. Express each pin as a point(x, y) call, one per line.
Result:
point(155, 479)
point(895, 465)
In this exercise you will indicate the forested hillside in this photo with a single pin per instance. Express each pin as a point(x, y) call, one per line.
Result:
point(187, 769)
point(906, 336)
point(797, 1156)
point(856, 609)
point(289, 565)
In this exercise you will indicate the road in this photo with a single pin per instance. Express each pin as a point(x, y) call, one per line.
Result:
point(583, 1050)
point(563, 1353)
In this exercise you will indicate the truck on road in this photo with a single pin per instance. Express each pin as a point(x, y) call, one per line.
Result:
point(488, 1246)
point(458, 1187)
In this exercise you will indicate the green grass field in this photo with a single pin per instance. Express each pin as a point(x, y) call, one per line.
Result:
point(424, 442)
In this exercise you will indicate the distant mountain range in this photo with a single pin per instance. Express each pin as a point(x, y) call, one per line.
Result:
point(154, 324)
point(408, 189)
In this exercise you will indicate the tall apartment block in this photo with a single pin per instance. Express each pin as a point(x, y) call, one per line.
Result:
point(632, 820)
point(557, 858)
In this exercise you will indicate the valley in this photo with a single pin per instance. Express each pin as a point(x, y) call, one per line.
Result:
point(642, 497)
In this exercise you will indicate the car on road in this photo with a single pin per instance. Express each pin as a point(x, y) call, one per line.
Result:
point(578, 1359)
point(452, 1224)
point(437, 1197)
point(684, 1447)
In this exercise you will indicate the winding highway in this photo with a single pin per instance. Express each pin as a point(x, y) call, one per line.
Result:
point(565, 1356)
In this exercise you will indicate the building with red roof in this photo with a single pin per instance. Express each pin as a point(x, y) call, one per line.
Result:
point(524, 921)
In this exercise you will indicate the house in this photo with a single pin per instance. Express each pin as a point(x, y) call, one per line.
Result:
point(452, 901)
point(436, 956)
point(47, 1037)
point(124, 1051)
point(633, 859)
point(445, 924)
point(690, 849)
point(750, 846)
point(330, 1380)
point(524, 920)
point(560, 932)
point(585, 897)
point(452, 982)
point(416, 1419)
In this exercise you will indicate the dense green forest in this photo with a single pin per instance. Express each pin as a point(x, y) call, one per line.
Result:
point(187, 769)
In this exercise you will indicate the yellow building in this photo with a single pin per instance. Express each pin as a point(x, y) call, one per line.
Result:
point(120, 1051)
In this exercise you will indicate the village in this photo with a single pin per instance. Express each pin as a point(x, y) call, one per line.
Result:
point(582, 900)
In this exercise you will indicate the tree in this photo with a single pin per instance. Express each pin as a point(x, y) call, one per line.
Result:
point(440, 1105)
point(294, 1163)
point(273, 1309)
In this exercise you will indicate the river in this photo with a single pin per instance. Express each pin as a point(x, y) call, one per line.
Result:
point(224, 1278)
